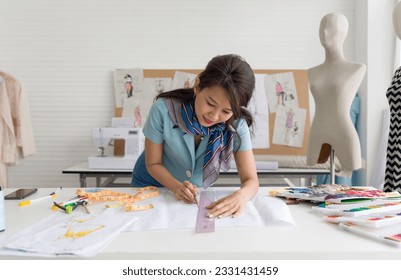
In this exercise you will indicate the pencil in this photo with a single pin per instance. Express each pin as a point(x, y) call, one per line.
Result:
point(31, 201)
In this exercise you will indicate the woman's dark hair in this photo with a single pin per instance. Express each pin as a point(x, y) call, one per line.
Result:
point(230, 72)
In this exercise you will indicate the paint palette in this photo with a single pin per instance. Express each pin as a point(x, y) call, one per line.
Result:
point(389, 235)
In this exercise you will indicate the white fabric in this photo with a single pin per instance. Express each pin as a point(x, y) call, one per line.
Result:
point(379, 165)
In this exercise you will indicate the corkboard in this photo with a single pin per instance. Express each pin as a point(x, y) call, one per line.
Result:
point(301, 84)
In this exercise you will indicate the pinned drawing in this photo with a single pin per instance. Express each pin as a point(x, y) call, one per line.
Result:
point(183, 80)
point(137, 110)
point(259, 110)
point(289, 126)
point(138, 107)
point(281, 90)
point(127, 82)
point(155, 86)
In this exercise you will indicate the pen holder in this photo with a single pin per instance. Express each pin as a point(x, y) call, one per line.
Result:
point(2, 214)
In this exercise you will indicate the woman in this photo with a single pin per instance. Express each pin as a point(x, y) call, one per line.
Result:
point(191, 133)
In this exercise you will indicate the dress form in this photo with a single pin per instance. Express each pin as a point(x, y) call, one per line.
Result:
point(392, 179)
point(333, 85)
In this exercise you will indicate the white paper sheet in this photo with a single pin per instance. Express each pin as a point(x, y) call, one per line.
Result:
point(168, 213)
point(68, 235)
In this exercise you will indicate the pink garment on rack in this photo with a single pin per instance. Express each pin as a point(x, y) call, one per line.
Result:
point(16, 134)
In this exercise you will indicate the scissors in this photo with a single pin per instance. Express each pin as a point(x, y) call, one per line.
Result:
point(69, 206)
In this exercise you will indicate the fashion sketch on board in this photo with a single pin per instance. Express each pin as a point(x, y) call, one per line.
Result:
point(281, 90)
point(139, 105)
point(260, 112)
point(127, 83)
point(289, 126)
point(183, 80)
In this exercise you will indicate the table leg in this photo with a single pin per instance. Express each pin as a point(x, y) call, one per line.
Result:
point(82, 180)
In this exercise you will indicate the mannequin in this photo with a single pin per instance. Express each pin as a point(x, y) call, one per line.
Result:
point(392, 178)
point(334, 84)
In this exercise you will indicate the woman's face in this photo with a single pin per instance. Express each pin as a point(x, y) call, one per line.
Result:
point(212, 106)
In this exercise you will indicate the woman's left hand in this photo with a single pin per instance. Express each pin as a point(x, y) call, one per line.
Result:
point(231, 205)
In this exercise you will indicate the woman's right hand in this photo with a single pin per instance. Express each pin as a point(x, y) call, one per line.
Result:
point(187, 192)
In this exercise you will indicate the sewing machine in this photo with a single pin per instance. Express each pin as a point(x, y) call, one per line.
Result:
point(102, 137)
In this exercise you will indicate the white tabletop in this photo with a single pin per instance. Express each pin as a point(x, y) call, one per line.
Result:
point(311, 238)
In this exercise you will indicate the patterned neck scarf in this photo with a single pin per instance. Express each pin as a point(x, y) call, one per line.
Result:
point(220, 145)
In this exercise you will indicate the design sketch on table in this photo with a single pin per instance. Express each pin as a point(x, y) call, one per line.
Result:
point(77, 227)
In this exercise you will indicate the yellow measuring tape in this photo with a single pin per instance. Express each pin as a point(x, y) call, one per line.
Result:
point(121, 198)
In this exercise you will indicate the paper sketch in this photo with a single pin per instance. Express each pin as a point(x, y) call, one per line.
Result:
point(259, 109)
point(137, 110)
point(289, 126)
point(183, 80)
point(127, 82)
point(154, 86)
point(281, 90)
point(138, 107)
point(74, 234)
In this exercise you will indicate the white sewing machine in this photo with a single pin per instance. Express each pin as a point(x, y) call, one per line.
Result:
point(102, 137)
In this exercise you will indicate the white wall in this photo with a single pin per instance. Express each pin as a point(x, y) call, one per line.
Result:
point(65, 52)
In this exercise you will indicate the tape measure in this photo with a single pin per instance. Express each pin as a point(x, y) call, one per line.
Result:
point(203, 222)
point(123, 198)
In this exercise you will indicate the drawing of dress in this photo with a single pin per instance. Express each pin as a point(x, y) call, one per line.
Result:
point(137, 117)
point(279, 93)
point(392, 180)
point(289, 123)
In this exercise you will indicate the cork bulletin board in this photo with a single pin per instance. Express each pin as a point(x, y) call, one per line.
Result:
point(302, 87)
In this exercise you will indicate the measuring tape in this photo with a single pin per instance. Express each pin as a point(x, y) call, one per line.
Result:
point(121, 198)
point(203, 222)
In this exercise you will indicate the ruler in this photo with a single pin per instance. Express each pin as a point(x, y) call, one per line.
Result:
point(203, 222)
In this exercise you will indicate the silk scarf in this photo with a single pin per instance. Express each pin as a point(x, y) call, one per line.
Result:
point(220, 145)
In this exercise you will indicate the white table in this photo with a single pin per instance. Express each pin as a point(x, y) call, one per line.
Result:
point(305, 176)
point(311, 238)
